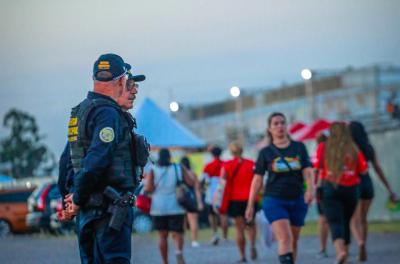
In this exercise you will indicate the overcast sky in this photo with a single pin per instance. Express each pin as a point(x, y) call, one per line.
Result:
point(190, 51)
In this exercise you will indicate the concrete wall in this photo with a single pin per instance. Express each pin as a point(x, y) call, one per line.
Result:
point(387, 146)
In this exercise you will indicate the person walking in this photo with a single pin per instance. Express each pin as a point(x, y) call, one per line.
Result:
point(323, 227)
point(193, 215)
point(285, 202)
point(100, 136)
point(211, 179)
point(340, 163)
point(168, 216)
point(236, 177)
point(359, 222)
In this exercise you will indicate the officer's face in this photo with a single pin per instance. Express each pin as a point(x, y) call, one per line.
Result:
point(128, 95)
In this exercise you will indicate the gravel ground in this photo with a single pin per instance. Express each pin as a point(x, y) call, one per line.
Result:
point(383, 249)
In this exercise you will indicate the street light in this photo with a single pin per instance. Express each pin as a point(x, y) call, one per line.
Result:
point(235, 93)
point(174, 106)
point(307, 75)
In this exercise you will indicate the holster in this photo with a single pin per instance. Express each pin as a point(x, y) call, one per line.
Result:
point(118, 207)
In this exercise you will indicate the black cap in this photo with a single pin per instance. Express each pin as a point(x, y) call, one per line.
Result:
point(136, 78)
point(111, 63)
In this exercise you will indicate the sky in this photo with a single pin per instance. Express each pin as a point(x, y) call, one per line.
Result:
point(190, 51)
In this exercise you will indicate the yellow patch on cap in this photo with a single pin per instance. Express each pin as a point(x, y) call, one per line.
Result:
point(106, 134)
point(104, 65)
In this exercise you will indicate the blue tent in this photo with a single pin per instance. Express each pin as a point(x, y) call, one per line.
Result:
point(161, 130)
point(4, 178)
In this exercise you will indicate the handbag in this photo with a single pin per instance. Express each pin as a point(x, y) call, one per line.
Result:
point(184, 194)
point(143, 200)
point(143, 203)
point(265, 230)
point(226, 193)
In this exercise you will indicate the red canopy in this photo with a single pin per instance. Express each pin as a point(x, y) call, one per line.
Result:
point(296, 126)
point(311, 131)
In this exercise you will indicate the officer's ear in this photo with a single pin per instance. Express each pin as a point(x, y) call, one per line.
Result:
point(121, 81)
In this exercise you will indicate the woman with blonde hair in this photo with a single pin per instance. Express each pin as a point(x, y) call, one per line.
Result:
point(236, 176)
point(340, 163)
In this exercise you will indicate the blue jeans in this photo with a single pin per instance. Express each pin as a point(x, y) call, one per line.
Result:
point(100, 244)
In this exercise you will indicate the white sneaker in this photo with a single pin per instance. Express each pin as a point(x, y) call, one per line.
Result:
point(215, 240)
point(195, 244)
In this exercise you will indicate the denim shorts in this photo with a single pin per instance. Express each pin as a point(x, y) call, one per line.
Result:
point(294, 210)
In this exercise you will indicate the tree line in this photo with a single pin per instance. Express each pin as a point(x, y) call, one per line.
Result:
point(23, 152)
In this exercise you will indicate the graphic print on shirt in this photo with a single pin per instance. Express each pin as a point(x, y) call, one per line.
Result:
point(279, 166)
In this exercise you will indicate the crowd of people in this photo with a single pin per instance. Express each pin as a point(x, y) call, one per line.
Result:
point(337, 178)
point(104, 161)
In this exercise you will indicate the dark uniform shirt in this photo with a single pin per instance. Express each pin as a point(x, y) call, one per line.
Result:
point(103, 128)
point(66, 172)
point(283, 182)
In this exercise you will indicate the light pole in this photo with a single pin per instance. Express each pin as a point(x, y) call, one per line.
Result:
point(307, 75)
point(235, 93)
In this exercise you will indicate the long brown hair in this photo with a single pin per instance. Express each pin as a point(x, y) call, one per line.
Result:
point(339, 147)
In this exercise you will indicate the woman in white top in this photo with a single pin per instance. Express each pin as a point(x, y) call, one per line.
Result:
point(168, 215)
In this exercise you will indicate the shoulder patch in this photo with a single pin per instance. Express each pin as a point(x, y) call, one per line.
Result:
point(106, 134)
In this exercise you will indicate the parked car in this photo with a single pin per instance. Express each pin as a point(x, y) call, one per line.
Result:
point(13, 210)
point(40, 207)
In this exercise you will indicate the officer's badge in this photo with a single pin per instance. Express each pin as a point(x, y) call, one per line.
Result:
point(107, 134)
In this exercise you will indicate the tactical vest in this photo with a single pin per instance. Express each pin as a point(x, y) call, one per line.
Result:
point(120, 174)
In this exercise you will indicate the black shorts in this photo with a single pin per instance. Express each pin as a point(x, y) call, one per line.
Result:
point(238, 208)
point(320, 210)
point(318, 198)
point(169, 223)
point(366, 187)
point(210, 209)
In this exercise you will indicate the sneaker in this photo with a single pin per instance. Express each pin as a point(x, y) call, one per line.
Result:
point(321, 254)
point(215, 240)
point(243, 260)
point(180, 259)
point(253, 253)
point(195, 244)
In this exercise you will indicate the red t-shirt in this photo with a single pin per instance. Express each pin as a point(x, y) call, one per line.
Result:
point(213, 169)
point(241, 181)
point(350, 175)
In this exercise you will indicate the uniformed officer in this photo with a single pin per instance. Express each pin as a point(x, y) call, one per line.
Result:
point(102, 154)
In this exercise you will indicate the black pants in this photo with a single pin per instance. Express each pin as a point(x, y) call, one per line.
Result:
point(339, 204)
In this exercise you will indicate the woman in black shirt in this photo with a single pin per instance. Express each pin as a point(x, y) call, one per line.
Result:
point(359, 224)
point(285, 202)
